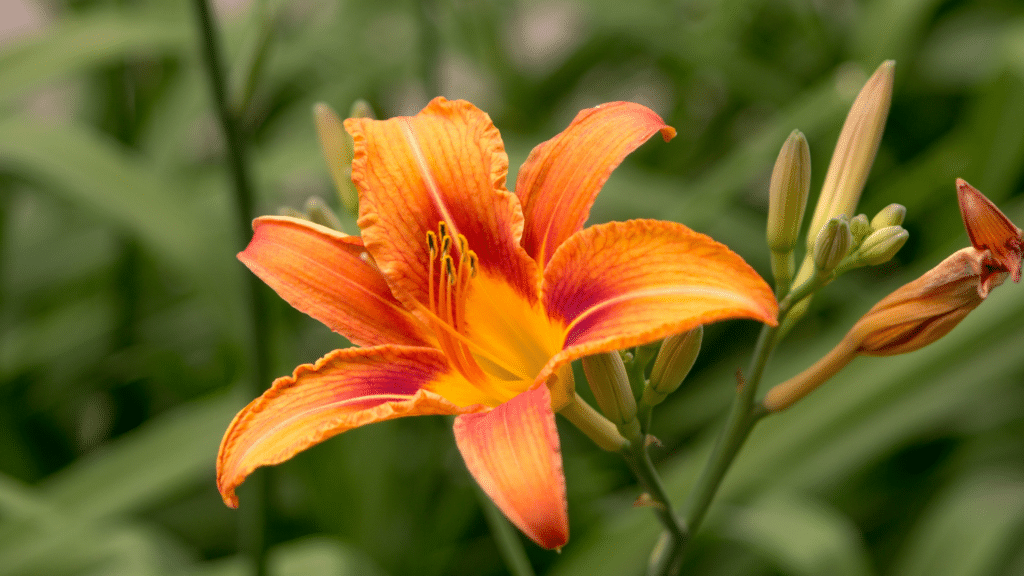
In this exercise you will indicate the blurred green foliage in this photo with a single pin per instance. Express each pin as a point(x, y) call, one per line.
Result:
point(123, 327)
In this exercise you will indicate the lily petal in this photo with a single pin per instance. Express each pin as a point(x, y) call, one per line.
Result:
point(343, 390)
point(990, 229)
point(448, 164)
point(513, 453)
point(328, 275)
point(623, 284)
point(560, 179)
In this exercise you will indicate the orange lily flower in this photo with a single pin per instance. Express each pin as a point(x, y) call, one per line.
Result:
point(468, 300)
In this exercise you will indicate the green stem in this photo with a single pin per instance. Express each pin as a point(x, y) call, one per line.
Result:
point(676, 529)
point(593, 424)
point(506, 538)
point(743, 415)
point(740, 421)
point(253, 521)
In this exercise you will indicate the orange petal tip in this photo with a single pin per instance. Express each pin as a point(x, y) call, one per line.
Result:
point(990, 229)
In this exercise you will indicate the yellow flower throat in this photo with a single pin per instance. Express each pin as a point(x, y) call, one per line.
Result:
point(492, 335)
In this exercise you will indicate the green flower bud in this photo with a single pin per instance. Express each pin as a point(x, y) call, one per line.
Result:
point(855, 151)
point(891, 215)
point(607, 377)
point(361, 109)
point(832, 244)
point(859, 228)
point(674, 361)
point(336, 145)
point(787, 193)
point(882, 245)
point(318, 212)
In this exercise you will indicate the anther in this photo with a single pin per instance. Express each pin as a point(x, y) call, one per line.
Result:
point(472, 264)
point(449, 269)
point(442, 229)
point(432, 243)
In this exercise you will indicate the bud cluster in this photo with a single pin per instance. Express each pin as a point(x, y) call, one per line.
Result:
point(837, 240)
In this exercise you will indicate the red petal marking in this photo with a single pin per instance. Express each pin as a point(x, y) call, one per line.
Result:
point(628, 283)
point(328, 275)
point(559, 181)
point(446, 163)
point(343, 390)
point(990, 229)
point(513, 452)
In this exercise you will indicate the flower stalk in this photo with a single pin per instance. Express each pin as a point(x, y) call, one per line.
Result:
point(252, 524)
point(744, 413)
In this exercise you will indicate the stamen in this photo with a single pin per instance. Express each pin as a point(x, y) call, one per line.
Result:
point(448, 278)
point(432, 246)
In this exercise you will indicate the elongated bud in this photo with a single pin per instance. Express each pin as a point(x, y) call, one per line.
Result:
point(336, 145)
point(881, 245)
point(609, 382)
point(855, 151)
point(859, 228)
point(924, 310)
point(891, 215)
point(674, 361)
point(832, 245)
point(787, 193)
point(319, 212)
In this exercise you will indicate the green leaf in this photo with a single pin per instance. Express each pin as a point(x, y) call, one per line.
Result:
point(172, 451)
point(77, 44)
point(104, 178)
point(319, 556)
point(801, 536)
point(313, 556)
point(970, 530)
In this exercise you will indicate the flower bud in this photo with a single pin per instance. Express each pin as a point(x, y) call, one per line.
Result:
point(859, 228)
point(855, 151)
point(318, 212)
point(990, 229)
point(787, 193)
point(674, 361)
point(924, 310)
point(881, 245)
point(336, 145)
point(361, 109)
point(891, 215)
point(832, 245)
point(607, 377)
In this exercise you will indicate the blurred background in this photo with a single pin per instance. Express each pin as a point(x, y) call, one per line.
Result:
point(124, 317)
